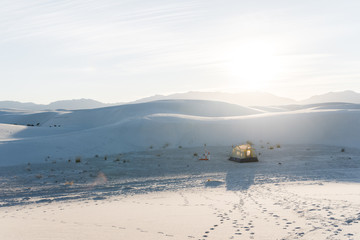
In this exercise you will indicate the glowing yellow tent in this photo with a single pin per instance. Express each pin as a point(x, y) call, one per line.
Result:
point(243, 153)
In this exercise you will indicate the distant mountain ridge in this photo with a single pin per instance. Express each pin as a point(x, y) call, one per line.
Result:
point(259, 98)
point(77, 104)
point(344, 96)
point(63, 104)
point(20, 105)
point(243, 99)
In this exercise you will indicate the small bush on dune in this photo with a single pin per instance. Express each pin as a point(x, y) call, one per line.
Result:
point(343, 150)
point(78, 159)
point(195, 155)
point(68, 183)
point(271, 147)
point(151, 147)
point(278, 146)
point(180, 146)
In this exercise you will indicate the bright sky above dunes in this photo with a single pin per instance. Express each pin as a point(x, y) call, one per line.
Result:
point(117, 50)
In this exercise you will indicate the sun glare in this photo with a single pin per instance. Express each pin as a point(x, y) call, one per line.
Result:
point(251, 67)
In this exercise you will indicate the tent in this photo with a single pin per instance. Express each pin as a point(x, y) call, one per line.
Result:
point(243, 153)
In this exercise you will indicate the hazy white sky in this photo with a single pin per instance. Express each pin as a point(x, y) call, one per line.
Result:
point(122, 50)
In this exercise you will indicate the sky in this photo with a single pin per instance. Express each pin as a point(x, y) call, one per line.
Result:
point(123, 50)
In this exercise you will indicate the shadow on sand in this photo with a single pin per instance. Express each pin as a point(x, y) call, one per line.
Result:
point(241, 176)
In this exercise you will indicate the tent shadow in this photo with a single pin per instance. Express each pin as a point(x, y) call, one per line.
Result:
point(240, 177)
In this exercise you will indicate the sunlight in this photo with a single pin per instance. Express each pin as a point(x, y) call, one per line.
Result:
point(251, 66)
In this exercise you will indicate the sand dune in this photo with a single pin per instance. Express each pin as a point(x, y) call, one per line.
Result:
point(138, 176)
point(65, 134)
point(134, 127)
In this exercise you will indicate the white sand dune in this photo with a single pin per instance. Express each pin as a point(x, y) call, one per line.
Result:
point(139, 176)
point(133, 127)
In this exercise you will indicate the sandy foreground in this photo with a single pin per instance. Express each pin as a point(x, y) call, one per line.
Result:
point(300, 210)
point(293, 192)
